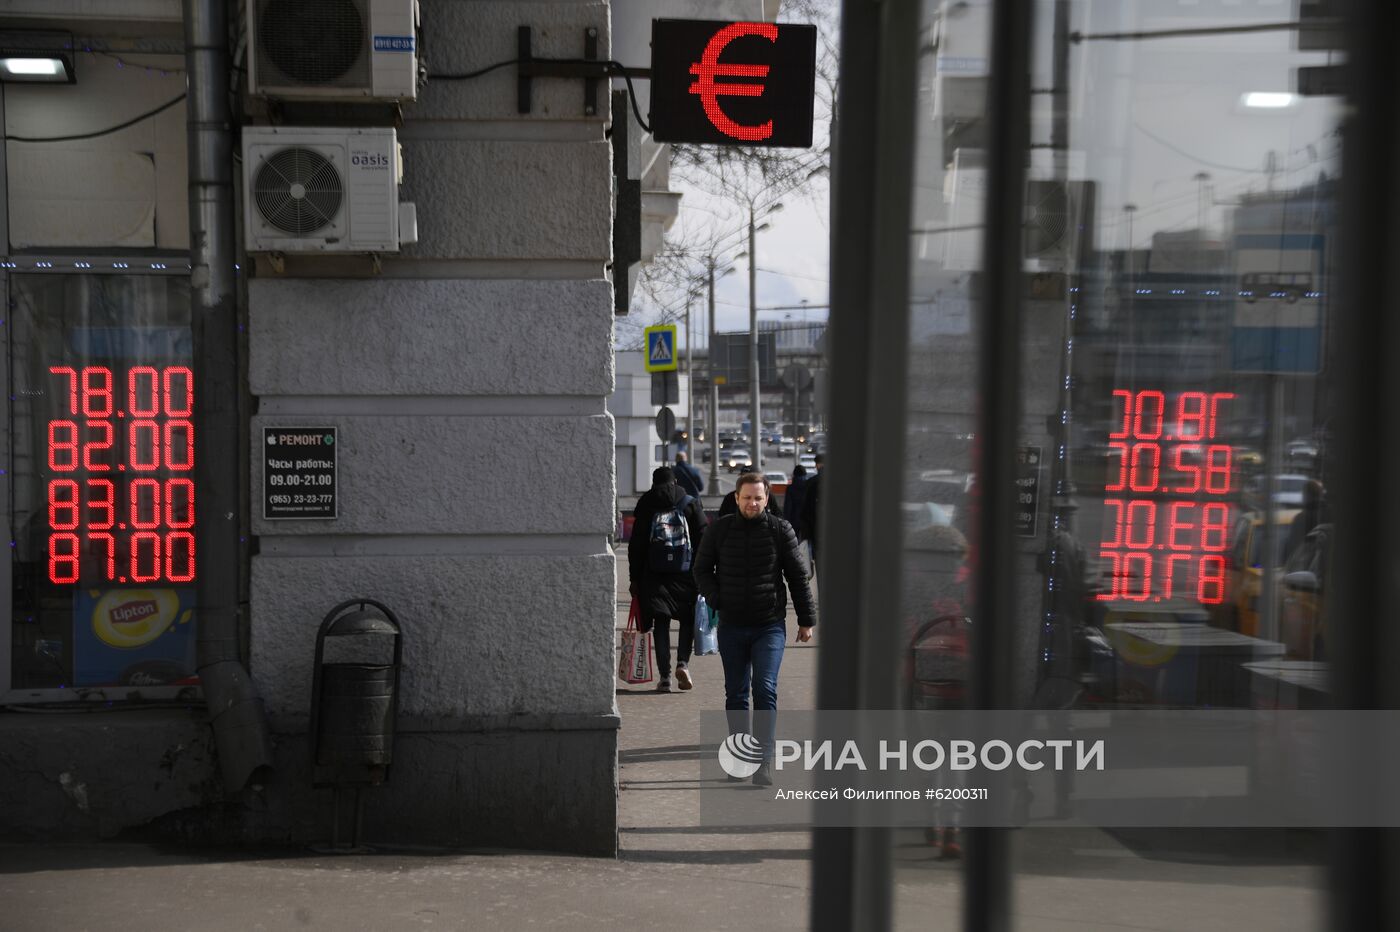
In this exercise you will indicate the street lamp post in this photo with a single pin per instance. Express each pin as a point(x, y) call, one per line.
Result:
point(689, 381)
point(714, 386)
point(755, 389)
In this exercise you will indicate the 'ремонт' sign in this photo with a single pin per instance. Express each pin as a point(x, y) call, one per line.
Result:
point(732, 83)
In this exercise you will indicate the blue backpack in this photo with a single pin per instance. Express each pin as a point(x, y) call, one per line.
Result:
point(669, 549)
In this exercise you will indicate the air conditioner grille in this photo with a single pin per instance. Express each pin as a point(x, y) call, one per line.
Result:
point(298, 191)
point(313, 42)
point(1047, 217)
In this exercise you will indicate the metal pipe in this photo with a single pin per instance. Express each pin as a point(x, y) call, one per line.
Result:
point(1362, 589)
point(235, 709)
point(988, 893)
point(755, 402)
point(714, 387)
point(859, 563)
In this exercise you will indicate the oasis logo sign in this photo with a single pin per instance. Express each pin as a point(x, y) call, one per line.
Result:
point(371, 160)
point(732, 83)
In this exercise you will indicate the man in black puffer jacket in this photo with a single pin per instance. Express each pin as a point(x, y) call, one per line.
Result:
point(664, 593)
point(743, 560)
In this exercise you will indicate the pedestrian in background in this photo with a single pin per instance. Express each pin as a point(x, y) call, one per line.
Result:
point(687, 476)
point(743, 562)
point(794, 498)
point(811, 510)
point(667, 528)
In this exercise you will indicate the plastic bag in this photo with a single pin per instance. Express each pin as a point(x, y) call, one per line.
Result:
point(706, 629)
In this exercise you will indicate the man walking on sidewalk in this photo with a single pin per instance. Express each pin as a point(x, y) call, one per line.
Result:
point(743, 561)
point(666, 529)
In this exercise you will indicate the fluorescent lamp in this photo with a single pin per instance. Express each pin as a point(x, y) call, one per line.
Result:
point(1268, 100)
point(40, 68)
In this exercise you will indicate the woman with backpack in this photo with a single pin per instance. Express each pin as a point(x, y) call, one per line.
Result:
point(666, 528)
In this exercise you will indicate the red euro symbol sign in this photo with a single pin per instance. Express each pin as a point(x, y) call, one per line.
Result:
point(708, 68)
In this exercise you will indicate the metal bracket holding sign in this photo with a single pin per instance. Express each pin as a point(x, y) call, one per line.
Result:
point(299, 473)
point(760, 94)
point(590, 68)
point(1027, 490)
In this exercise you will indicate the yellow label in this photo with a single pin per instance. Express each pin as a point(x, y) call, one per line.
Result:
point(134, 617)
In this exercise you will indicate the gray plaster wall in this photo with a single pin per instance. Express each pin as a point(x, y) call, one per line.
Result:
point(484, 635)
point(475, 458)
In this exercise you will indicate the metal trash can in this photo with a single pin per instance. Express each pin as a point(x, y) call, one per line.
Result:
point(354, 700)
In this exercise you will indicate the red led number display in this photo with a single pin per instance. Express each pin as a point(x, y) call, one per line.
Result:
point(121, 497)
point(1167, 514)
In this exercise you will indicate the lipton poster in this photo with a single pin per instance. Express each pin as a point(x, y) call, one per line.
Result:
point(133, 637)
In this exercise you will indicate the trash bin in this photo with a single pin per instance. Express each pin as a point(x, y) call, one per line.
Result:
point(354, 700)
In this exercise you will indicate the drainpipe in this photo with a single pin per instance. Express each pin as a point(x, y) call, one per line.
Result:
point(235, 709)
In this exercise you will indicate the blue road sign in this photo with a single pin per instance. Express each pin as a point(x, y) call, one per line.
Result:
point(661, 348)
point(1279, 304)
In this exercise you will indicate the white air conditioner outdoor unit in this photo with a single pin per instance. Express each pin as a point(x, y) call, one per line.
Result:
point(322, 189)
point(333, 49)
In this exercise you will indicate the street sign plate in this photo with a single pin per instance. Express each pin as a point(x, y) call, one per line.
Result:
point(299, 472)
point(661, 353)
point(665, 424)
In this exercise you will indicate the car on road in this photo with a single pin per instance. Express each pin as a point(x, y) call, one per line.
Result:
point(807, 461)
point(1245, 567)
point(735, 458)
point(786, 447)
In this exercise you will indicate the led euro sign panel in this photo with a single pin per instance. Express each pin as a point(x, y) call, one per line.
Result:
point(1168, 489)
point(732, 83)
point(120, 470)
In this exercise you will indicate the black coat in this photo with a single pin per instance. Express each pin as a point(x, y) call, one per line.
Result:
point(792, 505)
point(741, 568)
point(688, 478)
point(663, 595)
point(811, 503)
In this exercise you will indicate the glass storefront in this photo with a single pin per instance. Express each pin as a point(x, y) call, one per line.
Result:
point(1172, 532)
point(101, 482)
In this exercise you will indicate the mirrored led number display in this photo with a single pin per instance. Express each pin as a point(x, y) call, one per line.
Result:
point(120, 466)
point(1168, 490)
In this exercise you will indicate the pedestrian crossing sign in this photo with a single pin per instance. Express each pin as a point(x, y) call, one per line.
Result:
point(661, 348)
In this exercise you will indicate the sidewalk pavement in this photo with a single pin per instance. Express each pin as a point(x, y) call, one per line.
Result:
point(671, 871)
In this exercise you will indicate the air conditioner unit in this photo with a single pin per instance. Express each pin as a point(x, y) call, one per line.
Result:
point(333, 49)
point(322, 189)
point(1059, 230)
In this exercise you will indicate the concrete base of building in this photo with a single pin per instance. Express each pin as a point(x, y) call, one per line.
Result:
point(544, 783)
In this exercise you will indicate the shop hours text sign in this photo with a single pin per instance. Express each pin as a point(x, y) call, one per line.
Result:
point(1168, 486)
point(299, 466)
point(749, 84)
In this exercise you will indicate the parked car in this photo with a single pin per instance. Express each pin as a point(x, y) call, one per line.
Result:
point(735, 458)
point(1245, 568)
point(1302, 616)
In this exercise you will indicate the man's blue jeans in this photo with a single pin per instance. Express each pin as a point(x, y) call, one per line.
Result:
point(752, 656)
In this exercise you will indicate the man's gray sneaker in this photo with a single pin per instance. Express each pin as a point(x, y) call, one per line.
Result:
point(663, 685)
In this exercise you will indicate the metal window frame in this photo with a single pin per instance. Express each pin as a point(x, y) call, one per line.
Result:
point(68, 263)
point(852, 871)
